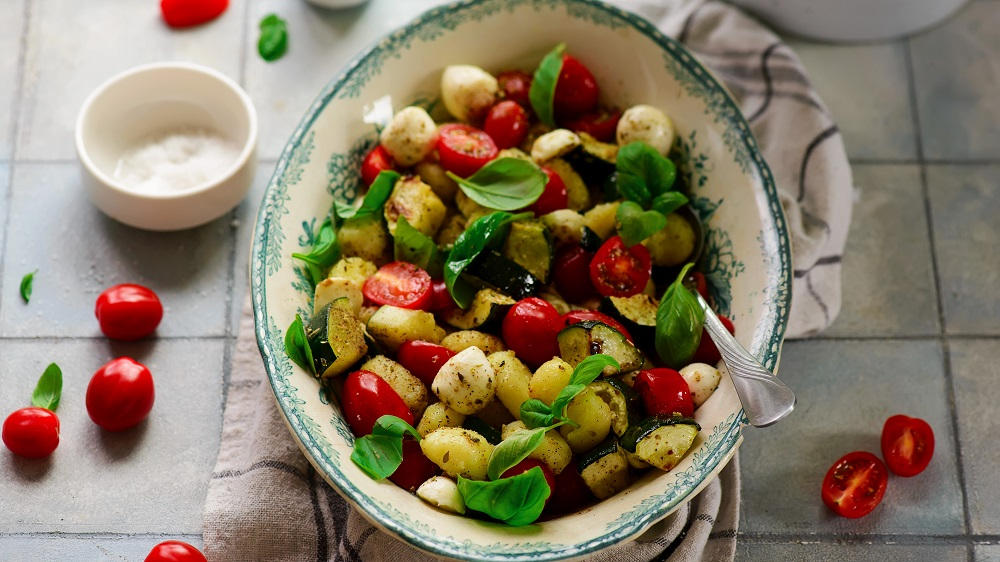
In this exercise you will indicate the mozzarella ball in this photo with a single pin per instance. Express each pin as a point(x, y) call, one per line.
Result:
point(702, 381)
point(467, 91)
point(410, 136)
point(647, 124)
point(466, 382)
point(554, 144)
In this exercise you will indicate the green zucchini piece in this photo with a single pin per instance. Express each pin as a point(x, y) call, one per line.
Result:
point(590, 240)
point(593, 159)
point(623, 401)
point(579, 341)
point(637, 313)
point(605, 468)
point(492, 270)
point(336, 338)
point(491, 433)
point(529, 245)
point(487, 309)
point(662, 442)
point(607, 447)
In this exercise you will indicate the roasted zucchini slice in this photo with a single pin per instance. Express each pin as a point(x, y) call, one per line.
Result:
point(662, 442)
point(336, 338)
point(593, 159)
point(623, 401)
point(487, 310)
point(605, 469)
point(476, 424)
point(637, 313)
point(492, 270)
point(579, 341)
point(529, 245)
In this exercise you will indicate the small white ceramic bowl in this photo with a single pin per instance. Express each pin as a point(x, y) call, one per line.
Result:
point(154, 99)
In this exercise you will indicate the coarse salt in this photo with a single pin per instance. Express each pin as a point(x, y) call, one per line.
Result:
point(175, 161)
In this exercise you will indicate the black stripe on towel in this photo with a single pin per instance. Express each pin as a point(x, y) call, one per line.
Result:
point(768, 85)
point(819, 301)
point(267, 463)
point(682, 37)
point(322, 545)
point(825, 134)
point(825, 260)
point(339, 511)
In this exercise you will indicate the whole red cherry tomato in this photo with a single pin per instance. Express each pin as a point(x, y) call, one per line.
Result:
point(463, 149)
point(576, 89)
point(528, 464)
point(120, 394)
point(423, 358)
point(530, 329)
point(188, 13)
point(415, 468)
point(376, 161)
point(553, 198)
point(577, 316)
point(620, 271)
point(128, 312)
point(907, 444)
point(571, 274)
point(31, 432)
point(440, 297)
point(855, 484)
point(507, 124)
point(664, 392)
point(602, 125)
point(175, 551)
point(516, 85)
point(569, 494)
point(707, 352)
point(367, 398)
point(399, 284)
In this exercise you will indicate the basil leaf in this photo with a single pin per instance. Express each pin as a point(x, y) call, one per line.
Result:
point(49, 388)
point(535, 413)
point(543, 85)
point(415, 247)
point(324, 253)
point(27, 282)
point(585, 373)
point(505, 184)
point(514, 449)
point(517, 500)
point(643, 173)
point(394, 426)
point(669, 201)
point(373, 201)
point(297, 345)
point(273, 38)
point(635, 225)
point(679, 322)
point(476, 238)
point(380, 453)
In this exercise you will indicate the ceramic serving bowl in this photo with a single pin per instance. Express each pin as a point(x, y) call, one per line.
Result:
point(746, 255)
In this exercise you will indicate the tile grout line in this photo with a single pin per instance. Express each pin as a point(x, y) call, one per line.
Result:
point(868, 538)
point(50, 338)
point(891, 338)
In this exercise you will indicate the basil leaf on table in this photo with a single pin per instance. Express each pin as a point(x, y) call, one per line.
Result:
point(585, 373)
point(643, 173)
point(27, 283)
point(373, 201)
point(669, 201)
point(297, 345)
point(679, 322)
point(516, 500)
point(505, 184)
point(49, 388)
point(411, 245)
point(484, 231)
point(635, 225)
point(543, 85)
point(273, 39)
point(515, 449)
point(324, 253)
point(380, 453)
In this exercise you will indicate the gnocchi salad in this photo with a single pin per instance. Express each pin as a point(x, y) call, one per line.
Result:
point(507, 316)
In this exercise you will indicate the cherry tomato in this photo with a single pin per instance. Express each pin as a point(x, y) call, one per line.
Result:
point(571, 274)
point(399, 284)
point(530, 328)
point(516, 85)
point(528, 464)
point(440, 297)
point(553, 198)
point(696, 280)
point(576, 89)
point(175, 551)
point(423, 358)
point(907, 444)
point(463, 149)
point(415, 468)
point(664, 392)
point(31, 432)
point(128, 312)
point(188, 13)
point(367, 398)
point(602, 125)
point(569, 494)
point(507, 124)
point(577, 316)
point(619, 271)
point(120, 394)
point(707, 352)
point(855, 484)
point(377, 160)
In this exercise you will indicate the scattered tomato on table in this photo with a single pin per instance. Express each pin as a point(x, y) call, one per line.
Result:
point(907, 445)
point(120, 394)
point(34, 432)
point(128, 311)
point(175, 551)
point(189, 13)
point(855, 484)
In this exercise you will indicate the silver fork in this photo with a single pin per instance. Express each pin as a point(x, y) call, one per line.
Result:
point(765, 399)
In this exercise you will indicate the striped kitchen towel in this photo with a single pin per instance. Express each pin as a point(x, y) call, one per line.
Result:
point(265, 501)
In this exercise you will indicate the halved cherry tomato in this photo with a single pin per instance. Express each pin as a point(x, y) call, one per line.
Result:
point(707, 352)
point(569, 494)
point(907, 444)
point(507, 124)
point(376, 161)
point(516, 85)
point(175, 551)
point(463, 149)
point(602, 125)
point(696, 280)
point(620, 271)
point(120, 394)
point(415, 468)
point(530, 328)
point(528, 464)
point(576, 89)
point(577, 316)
point(31, 432)
point(440, 297)
point(128, 311)
point(399, 284)
point(664, 392)
point(855, 484)
point(188, 13)
point(553, 198)
point(423, 358)
point(571, 274)
point(367, 398)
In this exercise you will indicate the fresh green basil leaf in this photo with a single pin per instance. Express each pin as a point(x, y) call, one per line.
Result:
point(49, 388)
point(479, 235)
point(373, 201)
point(516, 500)
point(679, 323)
point(535, 413)
point(380, 453)
point(543, 85)
point(643, 173)
point(585, 373)
point(669, 201)
point(394, 426)
point(297, 345)
point(415, 247)
point(635, 225)
point(324, 253)
point(505, 184)
point(27, 283)
point(514, 449)
point(273, 39)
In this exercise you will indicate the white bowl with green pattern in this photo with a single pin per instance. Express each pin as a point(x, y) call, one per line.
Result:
point(746, 257)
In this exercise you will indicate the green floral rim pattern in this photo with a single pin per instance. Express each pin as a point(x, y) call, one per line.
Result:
point(269, 238)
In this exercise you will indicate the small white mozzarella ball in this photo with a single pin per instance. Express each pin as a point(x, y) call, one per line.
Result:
point(410, 136)
point(554, 144)
point(467, 91)
point(442, 492)
point(702, 380)
point(647, 124)
point(466, 383)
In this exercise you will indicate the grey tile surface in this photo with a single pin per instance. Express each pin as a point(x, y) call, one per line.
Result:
point(965, 209)
point(92, 549)
point(987, 552)
point(846, 390)
point(11, 26)
point(865, 88)
point(79, 252)
point(148, 479)
point(853, 552)
point(887, 270)
point(246, 216)
point(956, 81)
